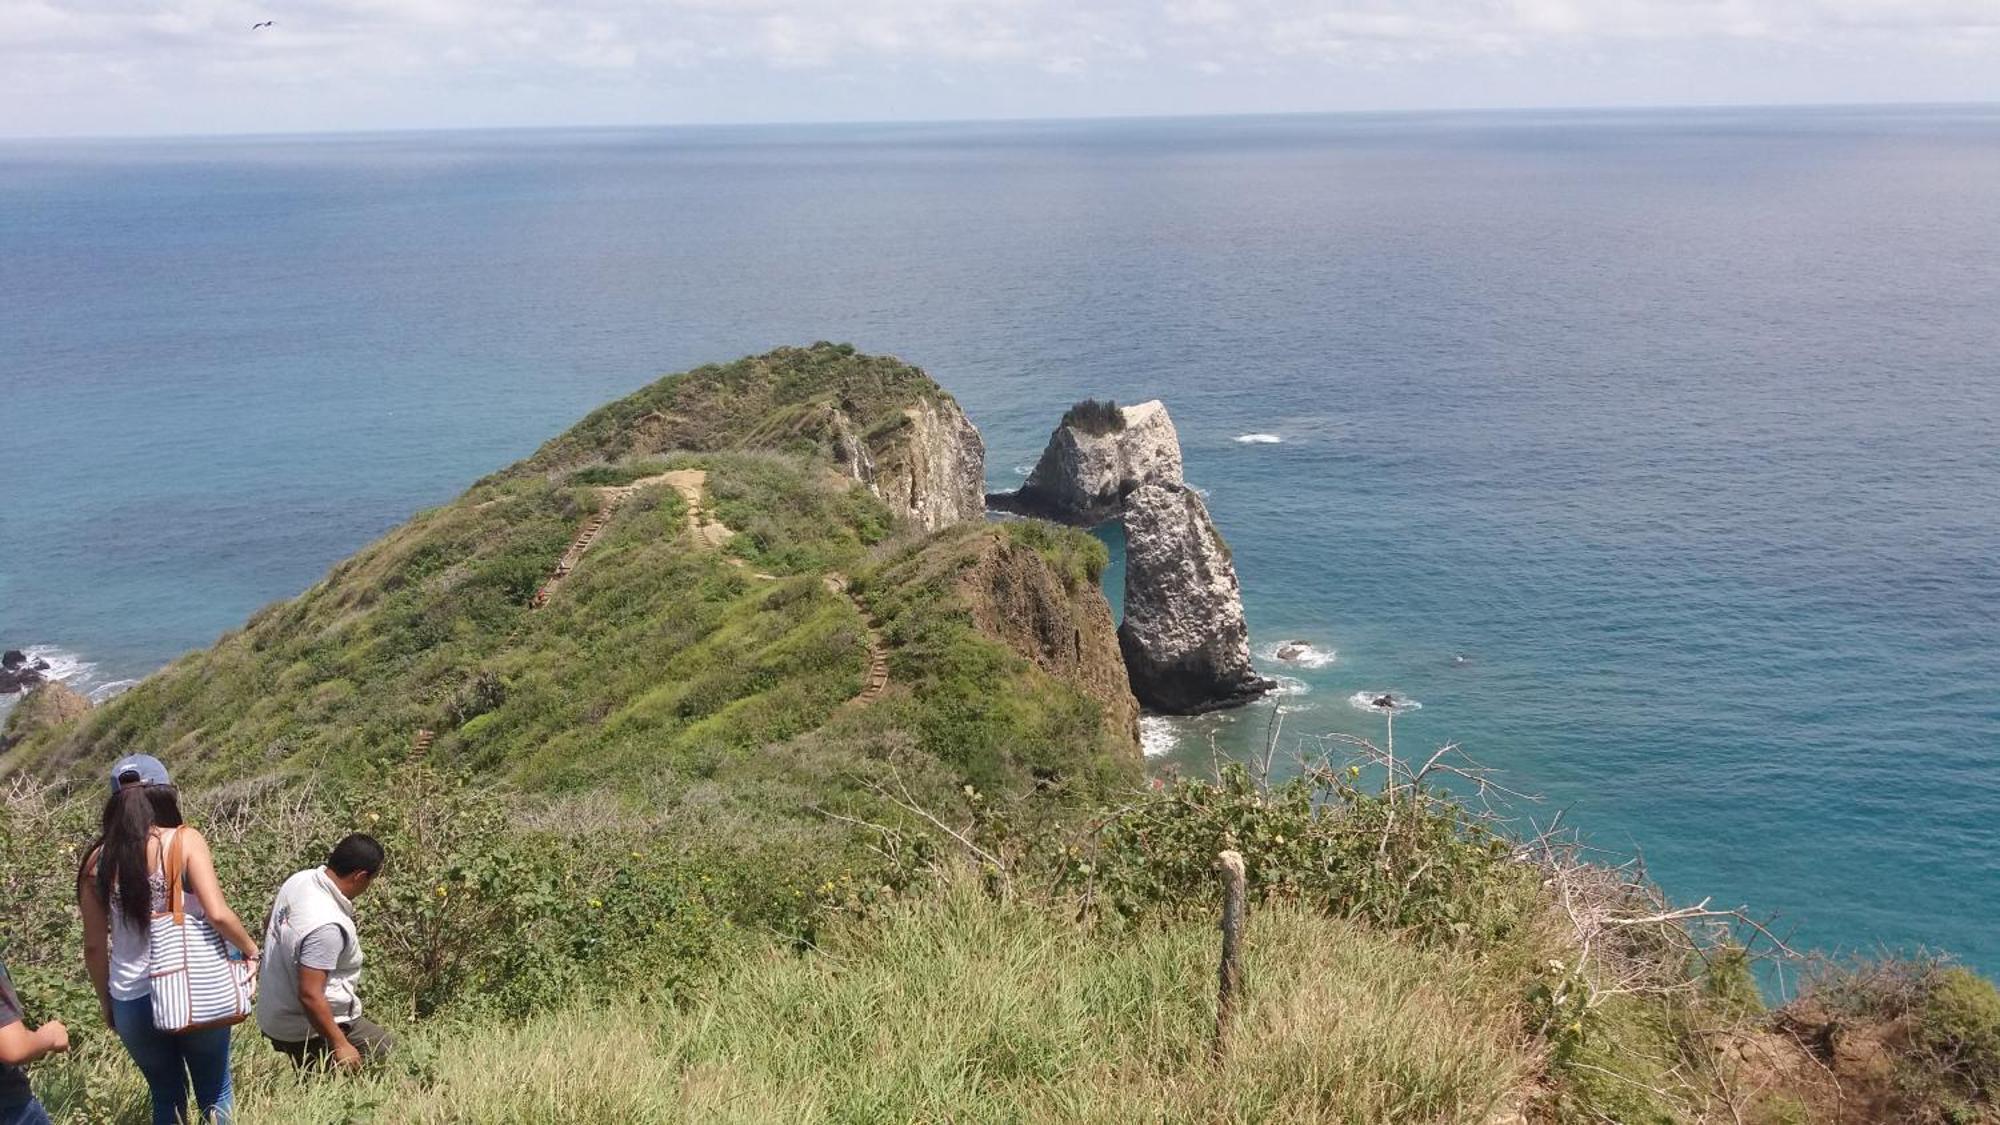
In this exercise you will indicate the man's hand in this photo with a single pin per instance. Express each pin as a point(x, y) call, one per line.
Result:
point(345, 1057)
point(110, 1016)
point(54, 1036)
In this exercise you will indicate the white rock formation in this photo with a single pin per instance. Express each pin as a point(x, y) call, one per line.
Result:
point(1084, 476)
point(1186, 646)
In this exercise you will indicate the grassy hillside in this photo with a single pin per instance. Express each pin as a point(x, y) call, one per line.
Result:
point(662, 656)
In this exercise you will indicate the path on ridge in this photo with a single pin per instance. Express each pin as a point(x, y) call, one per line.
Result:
point(692, 485)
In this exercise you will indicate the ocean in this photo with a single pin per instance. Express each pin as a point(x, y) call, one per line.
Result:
point(1656, 454)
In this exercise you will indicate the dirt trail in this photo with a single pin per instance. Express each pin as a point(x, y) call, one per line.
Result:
point(692, 485)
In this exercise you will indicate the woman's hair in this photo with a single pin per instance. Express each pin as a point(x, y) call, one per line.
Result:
point(129, 819)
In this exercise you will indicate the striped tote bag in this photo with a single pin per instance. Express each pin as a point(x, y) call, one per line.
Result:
point(195, 983)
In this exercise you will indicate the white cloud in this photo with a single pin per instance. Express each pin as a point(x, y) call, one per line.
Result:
point(55, 54)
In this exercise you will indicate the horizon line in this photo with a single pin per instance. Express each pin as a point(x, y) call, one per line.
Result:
point(1079, 119)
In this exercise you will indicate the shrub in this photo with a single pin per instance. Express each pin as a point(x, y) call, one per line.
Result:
point(1078, 557)
point(1959, 1022)
point(1094, 417)
point(475, 912)
point(1411, 860)
point(481, 694)
point(1729, 982)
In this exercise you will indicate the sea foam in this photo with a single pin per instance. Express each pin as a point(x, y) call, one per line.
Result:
point(1158, 735)
point(1365, 701)
point(1259, 439)
point(73, 671)
point(1311, 656)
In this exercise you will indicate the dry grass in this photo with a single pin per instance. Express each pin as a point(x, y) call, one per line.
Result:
point(959, 1009)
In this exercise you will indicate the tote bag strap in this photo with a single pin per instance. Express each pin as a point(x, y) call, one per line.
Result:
point(176, 873)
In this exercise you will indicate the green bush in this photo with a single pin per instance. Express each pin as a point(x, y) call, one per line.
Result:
point(1094, 417)
point(1959, 1021)
point(1413, 860)
point(1079, 558)
point(474, 912)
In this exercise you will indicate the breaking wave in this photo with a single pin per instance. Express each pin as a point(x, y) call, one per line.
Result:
point(1158, 735)
point(1365, 701)
point(1259, 439)
point(1306, 656)
point(72, 671)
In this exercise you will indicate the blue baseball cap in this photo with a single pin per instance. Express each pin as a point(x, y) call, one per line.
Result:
point(138, 769)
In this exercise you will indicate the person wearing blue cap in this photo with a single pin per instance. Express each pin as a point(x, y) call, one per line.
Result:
point(121, 885)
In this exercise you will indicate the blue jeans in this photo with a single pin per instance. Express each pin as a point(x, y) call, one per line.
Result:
point(28, 1113)
point(169, 1061)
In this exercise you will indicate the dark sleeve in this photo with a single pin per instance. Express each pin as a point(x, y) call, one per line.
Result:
point(10, 1001)
point(321, 949)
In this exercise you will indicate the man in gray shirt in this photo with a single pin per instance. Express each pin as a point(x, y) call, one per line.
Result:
point(308, 997)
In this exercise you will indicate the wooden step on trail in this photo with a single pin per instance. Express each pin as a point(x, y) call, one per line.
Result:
point(609, 500)
point(421, 745)
point(877, 681)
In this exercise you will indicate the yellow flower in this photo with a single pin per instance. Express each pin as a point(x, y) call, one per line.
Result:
point(597, 904)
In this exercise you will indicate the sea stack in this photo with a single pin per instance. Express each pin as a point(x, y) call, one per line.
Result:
point(1186, 646)
point(1097, 455)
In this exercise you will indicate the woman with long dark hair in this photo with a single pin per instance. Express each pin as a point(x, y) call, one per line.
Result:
point(120, 887)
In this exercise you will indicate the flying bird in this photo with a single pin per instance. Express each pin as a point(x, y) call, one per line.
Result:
point(258, 26)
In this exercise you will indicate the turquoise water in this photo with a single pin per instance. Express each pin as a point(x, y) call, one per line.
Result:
point(1683, 428)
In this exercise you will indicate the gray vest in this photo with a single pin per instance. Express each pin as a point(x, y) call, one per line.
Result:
point(306, 902)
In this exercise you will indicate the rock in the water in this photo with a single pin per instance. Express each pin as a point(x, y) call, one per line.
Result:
point(18, 673)
point(1186, 646)
point(1089, 467)
point(1292, 650)
point(50, 705)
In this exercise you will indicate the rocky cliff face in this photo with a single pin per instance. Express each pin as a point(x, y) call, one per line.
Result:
point(49, 706)
point(1086, 471)
point(1065, 629)
point(1185, 643)
point(931, 468)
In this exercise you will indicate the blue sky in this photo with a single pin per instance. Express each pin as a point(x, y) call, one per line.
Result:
point(196, 66)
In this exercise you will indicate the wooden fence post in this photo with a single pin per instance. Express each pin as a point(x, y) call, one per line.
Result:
point(1229, 977)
